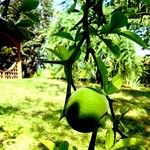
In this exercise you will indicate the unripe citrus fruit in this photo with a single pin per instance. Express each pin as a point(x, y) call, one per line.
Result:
point(85, 108)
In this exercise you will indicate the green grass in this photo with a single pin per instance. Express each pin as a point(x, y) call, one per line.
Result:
point(137, 120)
point(30, 111)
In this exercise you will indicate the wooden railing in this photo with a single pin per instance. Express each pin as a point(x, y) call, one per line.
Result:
point(14, 72)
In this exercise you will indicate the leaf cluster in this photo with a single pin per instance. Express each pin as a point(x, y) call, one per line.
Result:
point(94, 24)
point(20, 16)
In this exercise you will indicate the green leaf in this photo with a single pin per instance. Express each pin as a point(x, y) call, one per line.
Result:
point(112, 46)
point(72, 7)
point(134, 37)
point(103, 71)
point(25, 23)
point(124, 110)
point(114, 85)
point(48, 144)
point(55, 52)
point(72, 48)
point(79, 35)
point(123, 127)
point(147, 2)
point(25, 34)
point(64, 53)
point(10, 25)
point(128, 142)
point(118, 20)
point(109, 138)
point(110, 88)
point(33, 17)
point(64, 35)
point(76, 25)
point(117, 81)
point(92, 30)
point(106, 29)
point(28, 5)
point(64, 145)
point(74, 148)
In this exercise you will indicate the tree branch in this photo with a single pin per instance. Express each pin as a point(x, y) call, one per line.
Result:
point(114, 120)
point(6, 5)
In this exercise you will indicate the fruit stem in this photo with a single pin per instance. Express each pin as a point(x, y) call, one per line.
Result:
point(93, 140)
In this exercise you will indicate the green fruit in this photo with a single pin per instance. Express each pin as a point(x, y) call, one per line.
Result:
point(85, 108)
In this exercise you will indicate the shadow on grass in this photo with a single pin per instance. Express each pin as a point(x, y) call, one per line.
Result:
point(46, 85)
point(43, 86)
point(138, 99)
point(137, 93)
point(138, 121)
point(8, 109)
point(138, 127)
point(54, 117)
point(134, 104)
point(50, 114)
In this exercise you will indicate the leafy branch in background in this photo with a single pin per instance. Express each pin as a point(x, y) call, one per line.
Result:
point(22, 18)
point(18, 20)
point(93, 24)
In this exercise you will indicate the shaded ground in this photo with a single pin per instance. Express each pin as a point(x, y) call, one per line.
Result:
point(30, 110)
point(137, 120)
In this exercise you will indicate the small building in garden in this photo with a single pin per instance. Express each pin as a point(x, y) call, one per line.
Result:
point(10, 59)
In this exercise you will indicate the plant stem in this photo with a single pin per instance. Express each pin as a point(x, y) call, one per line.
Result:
point(68, 71)
point(95, 60)
point(93, 140)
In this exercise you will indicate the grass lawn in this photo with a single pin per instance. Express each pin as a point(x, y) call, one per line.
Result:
point(30, 111)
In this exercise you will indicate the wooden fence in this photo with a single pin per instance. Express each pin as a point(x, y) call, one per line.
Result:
point(14, 72)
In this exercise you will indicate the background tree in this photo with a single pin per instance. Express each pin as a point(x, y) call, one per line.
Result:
point(30, 22)
point(16, 20)
point(132, 61)
point(33, 49)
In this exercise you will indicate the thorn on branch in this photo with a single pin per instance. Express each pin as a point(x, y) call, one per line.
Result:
point(115, 121)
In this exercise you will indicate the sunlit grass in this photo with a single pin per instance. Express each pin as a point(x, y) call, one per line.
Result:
point(30, 110)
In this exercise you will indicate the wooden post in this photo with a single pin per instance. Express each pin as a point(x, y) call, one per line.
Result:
point(19, 65)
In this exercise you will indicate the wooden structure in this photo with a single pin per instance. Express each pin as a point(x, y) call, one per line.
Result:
point(15, 70)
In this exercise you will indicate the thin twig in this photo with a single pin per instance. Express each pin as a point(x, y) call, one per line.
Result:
point(6, 4)
point(52, 61)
